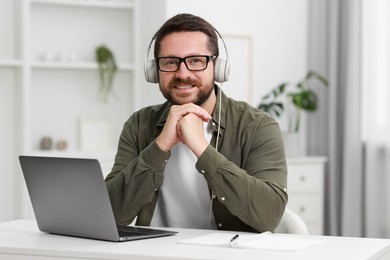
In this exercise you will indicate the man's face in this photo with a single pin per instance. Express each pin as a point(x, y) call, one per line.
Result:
point(185, 86)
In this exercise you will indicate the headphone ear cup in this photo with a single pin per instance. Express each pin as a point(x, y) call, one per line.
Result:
point(221, 70)
point(151, 71)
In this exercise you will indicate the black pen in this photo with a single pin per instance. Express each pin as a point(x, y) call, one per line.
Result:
point(231, 243)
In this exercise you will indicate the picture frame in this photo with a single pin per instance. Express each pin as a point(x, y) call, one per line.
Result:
point(239, 49)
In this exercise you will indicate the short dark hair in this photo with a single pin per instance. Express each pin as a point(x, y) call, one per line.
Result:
point(187, 23)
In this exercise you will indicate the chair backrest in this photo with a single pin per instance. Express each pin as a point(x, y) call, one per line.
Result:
point(291, 223)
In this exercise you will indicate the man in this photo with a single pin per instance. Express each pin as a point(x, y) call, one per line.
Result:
point(201, 159)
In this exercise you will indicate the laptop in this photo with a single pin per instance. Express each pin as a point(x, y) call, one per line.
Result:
point(69, 197)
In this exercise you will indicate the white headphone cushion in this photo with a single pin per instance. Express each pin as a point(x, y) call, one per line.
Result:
point(222, 69)
point(151, 71)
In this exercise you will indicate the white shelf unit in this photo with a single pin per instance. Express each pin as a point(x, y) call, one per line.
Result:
point(305, 183)
point(88, 3)
point(50, 81)
point(60, 78)
point(10, 64)
point(77, 66)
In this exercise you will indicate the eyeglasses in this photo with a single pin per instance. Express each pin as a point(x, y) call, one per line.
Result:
point(193, 63)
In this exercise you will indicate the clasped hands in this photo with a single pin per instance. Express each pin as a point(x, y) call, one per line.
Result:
point(185, 124)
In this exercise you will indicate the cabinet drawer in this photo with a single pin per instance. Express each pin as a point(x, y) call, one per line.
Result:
point(304, 181)
point(307, 206)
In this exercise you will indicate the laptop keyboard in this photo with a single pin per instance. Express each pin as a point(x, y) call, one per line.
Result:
point(123, 233)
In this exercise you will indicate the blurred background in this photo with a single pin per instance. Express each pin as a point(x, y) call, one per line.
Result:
point(60, 96)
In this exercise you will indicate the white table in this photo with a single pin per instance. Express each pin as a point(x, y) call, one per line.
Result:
point(21, 239)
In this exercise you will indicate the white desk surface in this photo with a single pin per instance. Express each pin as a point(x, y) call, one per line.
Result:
point(21, 239)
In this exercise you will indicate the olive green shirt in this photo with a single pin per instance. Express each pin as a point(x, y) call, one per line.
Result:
point(248, 173)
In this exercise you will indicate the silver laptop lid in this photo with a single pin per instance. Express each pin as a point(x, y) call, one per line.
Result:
point(69, 197)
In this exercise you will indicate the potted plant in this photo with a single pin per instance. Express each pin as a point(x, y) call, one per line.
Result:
point(107, 69)
point(295, 98)
point(300, 96)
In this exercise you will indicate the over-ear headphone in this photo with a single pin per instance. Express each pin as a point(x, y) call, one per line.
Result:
point(221, 67)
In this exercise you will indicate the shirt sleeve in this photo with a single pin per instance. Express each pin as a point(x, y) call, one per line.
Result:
point(132, 170)
point(255, 190)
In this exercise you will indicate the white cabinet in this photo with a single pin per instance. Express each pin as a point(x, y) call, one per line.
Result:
point(305, 183)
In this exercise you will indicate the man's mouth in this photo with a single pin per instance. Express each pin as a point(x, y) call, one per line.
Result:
point(184, 87)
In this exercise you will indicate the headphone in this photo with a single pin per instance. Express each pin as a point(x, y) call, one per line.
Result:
point(221, 67)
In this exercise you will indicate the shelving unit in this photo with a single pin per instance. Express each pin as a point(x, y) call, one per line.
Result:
point(49, 74)
point(88, 3)
point(10, 64)
point(60, 79)
point(76, 66)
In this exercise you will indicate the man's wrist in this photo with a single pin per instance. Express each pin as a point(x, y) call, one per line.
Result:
point(162, 147)
point(199, 149)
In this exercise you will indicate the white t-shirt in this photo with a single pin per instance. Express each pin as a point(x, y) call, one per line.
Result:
point(184, 199)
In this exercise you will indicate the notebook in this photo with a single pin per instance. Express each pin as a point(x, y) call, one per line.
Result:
point(69, 197)
point(263, 241)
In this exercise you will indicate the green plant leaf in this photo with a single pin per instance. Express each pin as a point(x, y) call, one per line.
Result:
point(272, 108)
point(306, 100)
point(301, 85)
point(281, 88)
point(314, 74)
point(107, 69)
point(301, 96)
point(276, 92)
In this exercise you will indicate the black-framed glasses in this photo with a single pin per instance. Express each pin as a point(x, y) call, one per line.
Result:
point(193, 63)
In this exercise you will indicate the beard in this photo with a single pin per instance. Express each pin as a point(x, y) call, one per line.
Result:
point(201, 96)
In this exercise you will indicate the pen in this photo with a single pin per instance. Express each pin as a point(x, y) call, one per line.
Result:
point(233, 240)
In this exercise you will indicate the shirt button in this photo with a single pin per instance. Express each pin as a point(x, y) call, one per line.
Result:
point(223, 198)
point(220, 225)
point(202, 171)
point(285, 190)
point(166, 161)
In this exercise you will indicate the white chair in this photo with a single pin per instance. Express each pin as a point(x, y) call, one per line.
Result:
point(291, 223)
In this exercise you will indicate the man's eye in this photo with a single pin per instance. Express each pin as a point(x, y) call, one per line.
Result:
point(171, 62)
point(195, 60)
